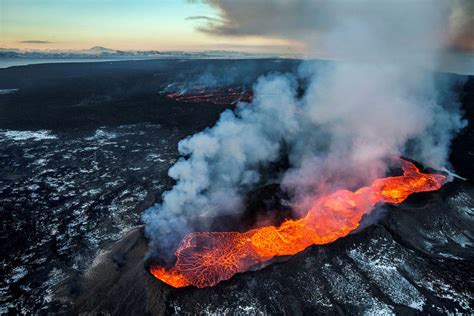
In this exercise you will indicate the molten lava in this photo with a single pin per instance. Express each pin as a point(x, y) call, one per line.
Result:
point(206, 258)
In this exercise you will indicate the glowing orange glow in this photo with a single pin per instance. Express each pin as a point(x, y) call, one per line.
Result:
point(207, 258)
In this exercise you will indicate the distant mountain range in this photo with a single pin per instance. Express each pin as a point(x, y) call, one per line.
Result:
point(455, 62)
point(98, 52)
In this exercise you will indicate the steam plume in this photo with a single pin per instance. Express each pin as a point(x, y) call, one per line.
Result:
point(378, 102)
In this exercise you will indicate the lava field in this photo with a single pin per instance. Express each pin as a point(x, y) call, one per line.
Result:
point(86, 148)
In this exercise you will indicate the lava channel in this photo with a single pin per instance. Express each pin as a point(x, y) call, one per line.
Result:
point(207, 258)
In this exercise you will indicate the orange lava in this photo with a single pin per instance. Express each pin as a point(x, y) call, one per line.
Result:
point(207, 258)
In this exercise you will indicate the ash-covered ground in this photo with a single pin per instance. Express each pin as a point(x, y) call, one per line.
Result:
point(85, 149)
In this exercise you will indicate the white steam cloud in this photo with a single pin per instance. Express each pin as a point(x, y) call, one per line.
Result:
point(353, 114)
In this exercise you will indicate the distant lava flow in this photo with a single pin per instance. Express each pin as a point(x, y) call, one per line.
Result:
point(206, 258)
point(221, 96)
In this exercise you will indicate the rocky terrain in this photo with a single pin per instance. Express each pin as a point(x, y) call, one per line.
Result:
point(63, 195)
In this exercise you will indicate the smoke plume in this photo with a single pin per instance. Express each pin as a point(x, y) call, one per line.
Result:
point(376, 102)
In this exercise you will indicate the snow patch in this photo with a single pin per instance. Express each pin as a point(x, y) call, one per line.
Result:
point(26, 135)
point(18, 273)
point(8, 91)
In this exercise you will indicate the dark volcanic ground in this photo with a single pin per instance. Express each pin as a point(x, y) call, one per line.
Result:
point(85, 148)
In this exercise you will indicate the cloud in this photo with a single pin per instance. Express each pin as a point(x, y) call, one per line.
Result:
point(203, 17)
point(36, 42)
point(309, 21)
point(462, 25)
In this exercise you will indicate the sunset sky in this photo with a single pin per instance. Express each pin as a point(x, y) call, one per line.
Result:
point(118, 24)
point(278, 26)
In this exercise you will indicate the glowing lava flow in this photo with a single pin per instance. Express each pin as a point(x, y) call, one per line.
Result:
point(206, 258)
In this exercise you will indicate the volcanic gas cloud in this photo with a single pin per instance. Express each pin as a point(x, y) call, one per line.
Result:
point(333, 122)
point(206, 258)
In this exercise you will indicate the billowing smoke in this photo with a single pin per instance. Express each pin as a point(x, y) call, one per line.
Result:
point(374, 103)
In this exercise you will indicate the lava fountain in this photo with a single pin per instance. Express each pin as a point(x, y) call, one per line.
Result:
point(207, 258)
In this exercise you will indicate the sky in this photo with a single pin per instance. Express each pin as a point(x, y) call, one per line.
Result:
point(277, 26)
point(118, 24)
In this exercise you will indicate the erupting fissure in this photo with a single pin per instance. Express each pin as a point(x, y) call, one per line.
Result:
point(206, 258)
